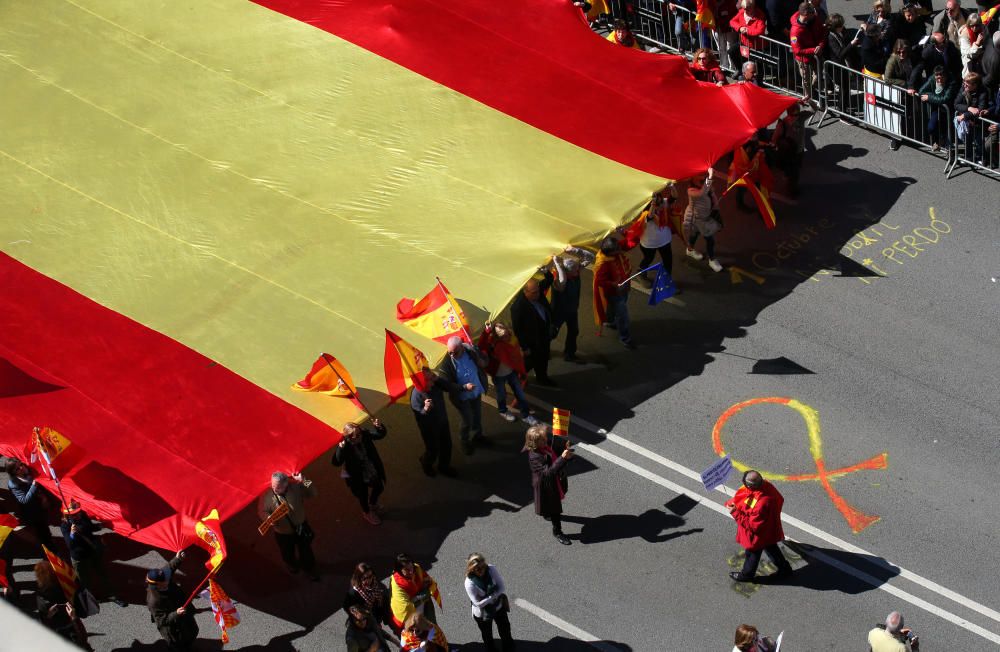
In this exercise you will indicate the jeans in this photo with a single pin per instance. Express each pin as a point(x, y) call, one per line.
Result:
point(289, 544)
point(618, 306)
point(753, 559)
point(501, 382)
point(503, 626)
point(471, 411)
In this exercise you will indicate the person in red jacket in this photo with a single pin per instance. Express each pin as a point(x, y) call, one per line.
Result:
point(756, 508)
point(807, 37)
point(610, 288)
point(749, 23)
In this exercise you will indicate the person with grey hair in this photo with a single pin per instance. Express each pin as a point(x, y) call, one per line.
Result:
point(464, 376)
point(748, 74)
point(892, 636)
point(292, 533)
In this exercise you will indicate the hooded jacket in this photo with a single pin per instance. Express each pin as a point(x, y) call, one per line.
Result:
point(758, 516)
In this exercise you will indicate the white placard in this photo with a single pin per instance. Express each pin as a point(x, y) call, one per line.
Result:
point(716, 474)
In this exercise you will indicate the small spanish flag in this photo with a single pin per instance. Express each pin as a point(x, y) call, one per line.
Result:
point(560, 422)
point(7, 525)
point(404, 366)
point(437, 316)
point(209, 532)
point(44, 447)
point(64, 573)
point(761, 198)
point(327, 376)
point(988, 15)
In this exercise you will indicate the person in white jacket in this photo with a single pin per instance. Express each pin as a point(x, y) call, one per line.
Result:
point(489, 600)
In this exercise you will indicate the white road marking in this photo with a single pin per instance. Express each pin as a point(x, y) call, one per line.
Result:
point(794, 523)
point(569, 628)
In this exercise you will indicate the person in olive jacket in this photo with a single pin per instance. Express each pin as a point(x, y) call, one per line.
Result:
point(165, 601)
point(548, 477)
point(364, 472)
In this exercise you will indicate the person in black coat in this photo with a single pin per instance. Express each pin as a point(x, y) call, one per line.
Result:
point(531, 319)
point(939, 51)
point(464, 372)
point(363, 468)
point(548, 477)
point(432, 420)
point(165, 601)
point(33, 499)
point(86, 552)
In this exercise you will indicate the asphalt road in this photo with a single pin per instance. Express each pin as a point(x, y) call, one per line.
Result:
point(873, 302)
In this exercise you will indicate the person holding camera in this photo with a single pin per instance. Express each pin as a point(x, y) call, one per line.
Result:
point(548, 477)
point(363, 472)
point(292, 533)
point(892, 636)
point(489, 600)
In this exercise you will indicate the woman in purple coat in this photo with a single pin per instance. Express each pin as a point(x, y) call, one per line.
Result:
point(548, 477)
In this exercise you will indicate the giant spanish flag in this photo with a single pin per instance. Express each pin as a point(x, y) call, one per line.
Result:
point(197, 197)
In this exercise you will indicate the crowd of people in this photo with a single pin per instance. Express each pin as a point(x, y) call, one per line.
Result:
point(948, 58)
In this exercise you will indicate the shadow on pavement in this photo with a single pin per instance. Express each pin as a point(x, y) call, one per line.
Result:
point(649, 525)
point(822, 574)
point(557, 644)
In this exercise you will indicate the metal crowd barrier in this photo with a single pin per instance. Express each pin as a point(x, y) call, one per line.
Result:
point(887, 109)
point(977, 147)
point(836, 89)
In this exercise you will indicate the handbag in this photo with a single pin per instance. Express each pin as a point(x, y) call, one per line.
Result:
point(86, 604)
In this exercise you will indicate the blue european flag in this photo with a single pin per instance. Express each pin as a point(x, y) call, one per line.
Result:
point(663, 286)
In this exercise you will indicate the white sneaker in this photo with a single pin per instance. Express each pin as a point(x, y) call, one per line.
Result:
point(530, 420)
point(372, 518)
point(714, 264)
point(694, 254)
point(508, 416)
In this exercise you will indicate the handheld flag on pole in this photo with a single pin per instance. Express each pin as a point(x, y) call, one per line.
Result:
point(209, 532)
point(327, 376)
point(436, 316)
point(761, 196)
point(988, 15)
point(44, 447)
point(64, 574)
point(223, 609)
point(704, 13)
point(663, 286)
point(560, 422)
point(404, 366)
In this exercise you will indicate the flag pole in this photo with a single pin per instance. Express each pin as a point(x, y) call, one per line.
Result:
point(458, 311)
point(198, 588)
point(641, 271)
point(48, 463)
point(353, 392)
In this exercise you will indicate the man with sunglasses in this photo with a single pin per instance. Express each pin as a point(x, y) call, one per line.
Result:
point(756, 508)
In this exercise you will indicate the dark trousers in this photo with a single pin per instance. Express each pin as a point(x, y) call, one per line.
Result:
point(437, 443)
point(538, 359)
point(289, 545)
point(503, 626)
point(471, 412)
point(572, 321)
point(556, 520)
point(709, 244)
point(666, 255)
point(367, 494)
point(753, 559)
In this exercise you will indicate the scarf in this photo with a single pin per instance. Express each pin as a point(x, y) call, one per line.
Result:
point(628, 41)
point(487, 586)
point(372, 595)
point(552, 460)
